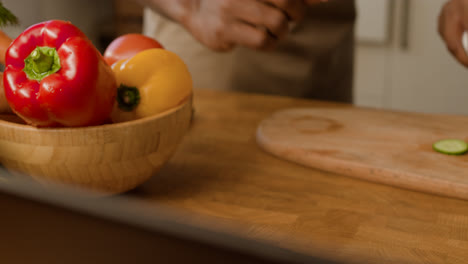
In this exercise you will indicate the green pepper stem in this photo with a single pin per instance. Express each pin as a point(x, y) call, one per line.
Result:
point(128, 98)
point(41, 62)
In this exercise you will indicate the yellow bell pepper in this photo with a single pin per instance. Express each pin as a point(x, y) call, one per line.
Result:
point(151, 82)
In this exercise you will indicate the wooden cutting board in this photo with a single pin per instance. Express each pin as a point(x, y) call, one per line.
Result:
point(388, 147)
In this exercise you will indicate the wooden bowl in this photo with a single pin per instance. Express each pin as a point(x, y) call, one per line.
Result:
point(111, 158)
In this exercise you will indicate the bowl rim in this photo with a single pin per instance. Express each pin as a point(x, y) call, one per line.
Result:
point(139, 121)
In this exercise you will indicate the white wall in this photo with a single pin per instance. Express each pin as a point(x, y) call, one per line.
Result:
point(373, 37)
point(421, 77)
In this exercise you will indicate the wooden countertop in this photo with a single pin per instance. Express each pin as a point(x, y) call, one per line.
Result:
point(219, 172)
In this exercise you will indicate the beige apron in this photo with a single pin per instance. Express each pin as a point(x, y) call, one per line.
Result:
point(314, 61)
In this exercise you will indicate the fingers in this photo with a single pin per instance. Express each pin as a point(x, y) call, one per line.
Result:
point(251, 37)
point(262, 16)
point(293, 9)
point(451, 30)
point(257, 24)
point(462, 7)
point(314, 2)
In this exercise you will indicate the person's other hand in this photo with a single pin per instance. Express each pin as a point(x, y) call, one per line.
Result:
point(257, 24)
point(453, 21)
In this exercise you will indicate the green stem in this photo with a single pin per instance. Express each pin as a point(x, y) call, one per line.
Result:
point(42, 62)
point(6, 17)
point(128, 98)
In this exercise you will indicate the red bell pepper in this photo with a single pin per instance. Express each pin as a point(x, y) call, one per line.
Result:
point(55, 76)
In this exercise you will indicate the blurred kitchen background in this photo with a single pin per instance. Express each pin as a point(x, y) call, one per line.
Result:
point(401, 62)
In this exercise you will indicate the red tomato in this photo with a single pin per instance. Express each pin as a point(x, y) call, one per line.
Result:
point(128, 45)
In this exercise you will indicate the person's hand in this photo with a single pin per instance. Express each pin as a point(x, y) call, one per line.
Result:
point(453, 21)
point(313, 2)
point(224, 24)
point(257, 24)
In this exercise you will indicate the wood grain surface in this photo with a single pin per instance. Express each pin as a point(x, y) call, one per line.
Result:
point(219, 172)
point(382, 146)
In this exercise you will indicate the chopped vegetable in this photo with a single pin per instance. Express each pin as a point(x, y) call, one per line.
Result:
point(451, 146)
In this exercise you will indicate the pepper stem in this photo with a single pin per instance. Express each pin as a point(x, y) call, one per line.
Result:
point(128, 98)
point(41, 62)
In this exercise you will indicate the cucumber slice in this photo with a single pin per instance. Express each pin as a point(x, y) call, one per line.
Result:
point(451, 146)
